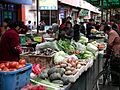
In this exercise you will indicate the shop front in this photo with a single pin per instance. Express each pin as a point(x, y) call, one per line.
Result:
point(13, 9)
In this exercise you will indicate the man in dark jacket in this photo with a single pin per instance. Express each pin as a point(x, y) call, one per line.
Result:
point(89, 27)
point(76, 31)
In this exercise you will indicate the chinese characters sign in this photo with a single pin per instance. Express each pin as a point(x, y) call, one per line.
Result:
point(48, 4)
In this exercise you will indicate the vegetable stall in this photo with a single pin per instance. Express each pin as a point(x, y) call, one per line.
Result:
point(64, 64)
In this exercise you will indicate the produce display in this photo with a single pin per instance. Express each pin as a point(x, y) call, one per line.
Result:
point(12, 66)
point(70, 60)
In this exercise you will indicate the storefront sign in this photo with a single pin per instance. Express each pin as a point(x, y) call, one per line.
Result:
point(19, 1)
point(62, 15)
point(84, 12)
point(48, 4)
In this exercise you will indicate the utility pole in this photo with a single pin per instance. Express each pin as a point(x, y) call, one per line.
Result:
point(37, 7)
point(102, 9)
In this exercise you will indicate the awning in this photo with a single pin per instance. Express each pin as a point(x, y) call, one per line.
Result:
point(107, 3)
point(18, 1)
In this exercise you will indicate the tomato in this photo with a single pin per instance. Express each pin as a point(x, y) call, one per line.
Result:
point(19, 66)
point(22, 61)
point(23, 65)
point(7, 64)
point(2, 65)
point(12, 69)
point(77, 52)
point(5, 69)
point(13, 64)
point(0, 69)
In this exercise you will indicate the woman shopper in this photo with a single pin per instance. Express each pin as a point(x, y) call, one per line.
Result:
point(9, 43)
point(113, 44)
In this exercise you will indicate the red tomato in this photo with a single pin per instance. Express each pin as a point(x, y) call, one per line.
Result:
point(7, 65)
point(19, 66)
point(22, 61)
point(12, 69)
point(5, 69)
point(2, 65)
point(13, 64)
point(77, 52)
point(23, 65)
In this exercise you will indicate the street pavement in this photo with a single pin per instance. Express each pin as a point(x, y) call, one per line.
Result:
point(109, 88)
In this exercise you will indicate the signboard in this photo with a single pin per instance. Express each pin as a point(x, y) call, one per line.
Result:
point(62, 12)
point(48, 4)
point(19, 1)
point(84, 12)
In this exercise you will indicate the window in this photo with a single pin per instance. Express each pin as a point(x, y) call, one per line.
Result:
point(8, 11)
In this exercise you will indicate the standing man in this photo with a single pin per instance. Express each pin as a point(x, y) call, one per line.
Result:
point(29, 25)
point(89, 27)
point(76, 28)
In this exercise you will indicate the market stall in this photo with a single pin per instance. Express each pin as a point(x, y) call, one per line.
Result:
point(65, 65)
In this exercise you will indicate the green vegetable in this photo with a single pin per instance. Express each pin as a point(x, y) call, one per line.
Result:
point(52, 70)
point(44, 74)
point(83, 40)
point(55, 76)
point(58, 82)
point(59, 57)
point(61, 71)
point(65, 80)
point(92, 48)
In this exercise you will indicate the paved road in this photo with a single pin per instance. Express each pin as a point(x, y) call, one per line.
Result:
point(110, 88)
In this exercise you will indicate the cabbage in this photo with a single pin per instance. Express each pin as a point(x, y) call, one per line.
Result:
point(83, 39)
point(87, 55)
point(59, 57)
point(81, 47)
point(92, 48)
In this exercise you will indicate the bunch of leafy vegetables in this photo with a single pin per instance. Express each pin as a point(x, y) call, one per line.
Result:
point(66, 46)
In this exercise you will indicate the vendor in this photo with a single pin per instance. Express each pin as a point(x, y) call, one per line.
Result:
point(9, 44)
point(67, 32)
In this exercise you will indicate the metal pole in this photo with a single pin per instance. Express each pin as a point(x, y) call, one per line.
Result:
point(37, 7)
point(50, 18)
point(102, 7)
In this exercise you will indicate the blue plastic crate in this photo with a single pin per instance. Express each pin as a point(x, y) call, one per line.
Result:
point(15, 80)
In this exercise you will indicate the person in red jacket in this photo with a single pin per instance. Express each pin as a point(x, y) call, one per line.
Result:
point(9, 43)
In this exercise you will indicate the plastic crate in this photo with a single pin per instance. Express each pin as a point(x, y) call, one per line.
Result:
point(15, 80)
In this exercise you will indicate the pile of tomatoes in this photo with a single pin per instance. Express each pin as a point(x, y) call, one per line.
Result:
point(12, 66)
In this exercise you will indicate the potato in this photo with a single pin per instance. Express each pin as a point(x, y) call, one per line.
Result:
point(63, 65)
point(74, 72)
point(68, 68)
point(68, 72)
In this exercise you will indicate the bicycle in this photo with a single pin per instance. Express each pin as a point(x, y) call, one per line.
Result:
point(104, 77)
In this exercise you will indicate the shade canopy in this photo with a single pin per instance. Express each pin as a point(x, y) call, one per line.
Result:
point(107, 3)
